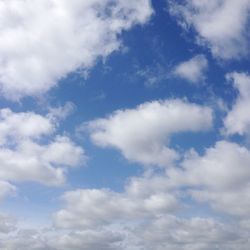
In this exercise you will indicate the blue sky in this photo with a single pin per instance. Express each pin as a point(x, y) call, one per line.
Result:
point(124, 125)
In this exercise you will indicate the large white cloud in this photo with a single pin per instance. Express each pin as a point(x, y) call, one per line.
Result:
point(145, 218)
point(23, 155)
point(222, 25)
point(141, 217)
point(23, 125)
point(83, 208)
point(220, 177)
point(42, 41)
point(192, 70)
point(175, 233)
point(142, 134)
point(167, 232)
point(237, 120)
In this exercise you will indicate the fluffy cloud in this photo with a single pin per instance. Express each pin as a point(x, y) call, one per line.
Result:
point(141, 217)
point(23, 156)
point(222, 25)
point(142, 134)
point(30, 161)
point(43, 41)
point(192, 70)
point(168, 232)
point(237, 120)
point(83, 209)
point(24, 239)
point(90, 239)
point(145, 214)
point(49, 239)
point(23, 125)
point(220, 177)
point(172, 233)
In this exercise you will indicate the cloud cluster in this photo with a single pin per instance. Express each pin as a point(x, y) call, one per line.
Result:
point(221, 25)
point(192, 70)
point(145, 219)
point(43, 41)
point(165, 232)
point(26, 156)
point(142, 134)
point(145, 214)
point(220, 177)
point(82, 209)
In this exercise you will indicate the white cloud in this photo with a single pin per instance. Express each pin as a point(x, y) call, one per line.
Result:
point(192, 70)
point(142, 134)
point(30, 161)
point(90, 239)
point(42, 41)
point(237, 120)
point(24, 239)
point(83, 208)
point(23, 125)
point(144, 216)
point(141, 217)
point(173, 233)
point(220, 177)
point(48, 239)
point(23, 156)
point(222, 25)
point(167, 232)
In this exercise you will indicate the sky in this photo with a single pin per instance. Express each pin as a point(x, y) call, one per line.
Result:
point(124, 125)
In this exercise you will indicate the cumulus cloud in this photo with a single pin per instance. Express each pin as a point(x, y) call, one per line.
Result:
point(24, 239)
point(168, 232)
point(30, 161)
point(141, 217)
point(50, 240)
point(23, 156)
point(221, 25)
point(220, 177)
point(43, 41)
point(172, 233)
point(145, 214)
point(23, 125)
point(142, 134)
point(90, 239)
point(83, 209)
point(192, 70)
point(237, 120)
